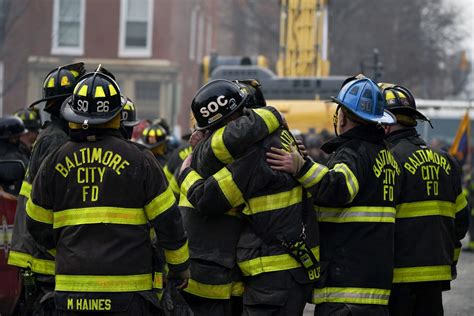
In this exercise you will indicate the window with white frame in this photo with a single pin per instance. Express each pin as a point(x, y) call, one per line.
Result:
point(68, 27)
point(136, 21)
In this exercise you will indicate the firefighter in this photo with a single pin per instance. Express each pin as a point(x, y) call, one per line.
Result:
point(155, 137)
point(432, 212)
point(274, 281)
point(32, 121)
point(355, 202)
point(89, 204)
point(174, 163)
point(37, 262)
point(11, 130)
point(129, 118)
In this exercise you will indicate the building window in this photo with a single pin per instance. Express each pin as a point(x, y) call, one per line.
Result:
point(147, 95)
point(68, 27)
point(136, 21)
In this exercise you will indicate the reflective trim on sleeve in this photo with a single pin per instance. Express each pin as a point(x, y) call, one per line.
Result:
point(351, 180)
point(184, 202)
point(461, 202)
point(218, 147)
point(103, 283)
point(211, 291)
point(313, 175)
point(38, 213)
point(24, 260)
point(457, 253)
point(229, 187)
point(269, 118)
point(158, 280)
point(52, 252)
point(191, 178)
point(422, 274)
point(426, 208)
point(25, 189)
point(272, 202)
point(237, 289)
point(271, 263)
point(160, 204)
point(351, 295)
point(177, 256)
point(167, 173)
point(356, 214)
point(101, 214)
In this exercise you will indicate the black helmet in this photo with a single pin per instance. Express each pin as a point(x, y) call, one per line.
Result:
point(129, 113)
point(96, 100)
point(254, 90)
point(60, 82)
point(30, 118)
point(10, 126)
point(400, 101)
point(154, 135)
point(215, 101)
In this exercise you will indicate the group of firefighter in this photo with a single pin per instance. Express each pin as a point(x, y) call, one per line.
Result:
point(240, 220)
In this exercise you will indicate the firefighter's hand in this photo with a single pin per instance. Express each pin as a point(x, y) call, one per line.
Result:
point(302, 148)
point(290, 162)
point(186, 163)
point(179, 278)
point(195, 138)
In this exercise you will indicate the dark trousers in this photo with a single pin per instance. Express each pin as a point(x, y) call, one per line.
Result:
point(213, 307)
point(417, 299)
point(276, 294)
point(342, 309)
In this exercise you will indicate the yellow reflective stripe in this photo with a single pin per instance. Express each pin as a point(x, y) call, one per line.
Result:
point(103, 283)
point(356, 214)
point(184, 202)
point(421, 274)
point(271, 263)
point(38, 213)
point(177, 256)
point(237, 289)
point(102, 214)
point(160, 204)
point(457, 252)
point(229, 187)
point(158, 280)
point(352, 295)
point(313, 175)
point(52, 252)
point(351, 180)
point(25, 189)
point(211, 291)
point(274, 201)
point(171, 180)
point(426, 208)
point(269, 118)
point(24, 260)
point(461, 202)
point(167, 173)
point(191, 178)
point(218, 147)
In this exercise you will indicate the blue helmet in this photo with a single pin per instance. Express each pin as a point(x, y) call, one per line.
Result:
point(363, 98)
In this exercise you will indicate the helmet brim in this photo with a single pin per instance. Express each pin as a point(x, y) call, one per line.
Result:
point(386, 119)
point(130, 123)
point(32, 105)
point(69, 115)
point(405, 110)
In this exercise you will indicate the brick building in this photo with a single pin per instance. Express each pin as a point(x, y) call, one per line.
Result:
point(154, 48)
